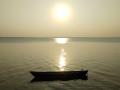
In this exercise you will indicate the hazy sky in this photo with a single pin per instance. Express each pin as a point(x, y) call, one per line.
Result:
point(34, 18)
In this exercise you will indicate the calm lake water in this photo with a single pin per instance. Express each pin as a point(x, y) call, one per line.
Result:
point(101, 56)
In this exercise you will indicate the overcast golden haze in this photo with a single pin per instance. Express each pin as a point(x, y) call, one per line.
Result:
point(34, 18)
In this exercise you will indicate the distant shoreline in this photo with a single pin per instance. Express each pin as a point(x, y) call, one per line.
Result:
point(71, 39)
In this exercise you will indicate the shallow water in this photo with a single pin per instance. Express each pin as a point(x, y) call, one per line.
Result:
point(100, 56)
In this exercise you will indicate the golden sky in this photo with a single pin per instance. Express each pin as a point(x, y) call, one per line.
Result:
point(34, 18)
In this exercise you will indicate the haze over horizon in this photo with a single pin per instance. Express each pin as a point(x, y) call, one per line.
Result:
point(34, 18)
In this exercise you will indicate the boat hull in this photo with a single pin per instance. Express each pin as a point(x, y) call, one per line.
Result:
point(64, 75)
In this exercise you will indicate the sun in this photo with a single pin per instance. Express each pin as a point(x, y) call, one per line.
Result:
point(61, 12)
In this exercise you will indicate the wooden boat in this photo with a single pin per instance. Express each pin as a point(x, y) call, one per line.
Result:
point(59, 75)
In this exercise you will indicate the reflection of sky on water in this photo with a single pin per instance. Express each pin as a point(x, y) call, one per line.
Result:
point(98, 55)
point(62, 60)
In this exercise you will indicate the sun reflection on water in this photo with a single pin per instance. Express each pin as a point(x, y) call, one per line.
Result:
point(61, 40)
point(62, 60)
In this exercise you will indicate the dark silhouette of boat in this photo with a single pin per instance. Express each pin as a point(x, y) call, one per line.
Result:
point(59, 75)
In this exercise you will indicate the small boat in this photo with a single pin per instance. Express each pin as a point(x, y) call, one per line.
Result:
point(59, 75)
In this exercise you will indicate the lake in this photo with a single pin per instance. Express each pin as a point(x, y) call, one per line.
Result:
point(100, 56)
